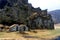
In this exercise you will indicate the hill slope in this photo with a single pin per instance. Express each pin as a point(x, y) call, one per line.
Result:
point(55, 15)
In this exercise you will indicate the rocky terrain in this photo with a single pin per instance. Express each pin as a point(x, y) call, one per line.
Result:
point(22, 12)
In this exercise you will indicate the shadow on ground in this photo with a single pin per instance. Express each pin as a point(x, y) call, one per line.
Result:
point(57, 38)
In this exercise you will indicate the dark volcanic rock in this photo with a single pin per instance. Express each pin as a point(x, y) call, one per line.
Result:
point(2, 3)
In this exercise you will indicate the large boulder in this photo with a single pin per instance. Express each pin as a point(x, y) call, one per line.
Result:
point(23, 28)
point(14, 28)
point(20, 28)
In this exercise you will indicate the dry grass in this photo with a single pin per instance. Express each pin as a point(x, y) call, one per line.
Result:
point(33, 35)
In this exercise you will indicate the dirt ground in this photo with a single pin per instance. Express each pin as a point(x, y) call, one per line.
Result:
point(32, 35)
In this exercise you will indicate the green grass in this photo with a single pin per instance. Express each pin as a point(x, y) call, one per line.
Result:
point(1, 34)
point(55, 32)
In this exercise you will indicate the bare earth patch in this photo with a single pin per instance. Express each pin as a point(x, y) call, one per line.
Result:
point(32, 35)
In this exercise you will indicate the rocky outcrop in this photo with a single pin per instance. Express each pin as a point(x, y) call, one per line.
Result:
point(21, 28)
point(20, 11)
point(40, 20)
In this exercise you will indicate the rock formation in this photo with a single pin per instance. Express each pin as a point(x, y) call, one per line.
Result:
point(20, 11)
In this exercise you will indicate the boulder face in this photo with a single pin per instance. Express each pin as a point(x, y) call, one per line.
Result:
point(20, 11)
